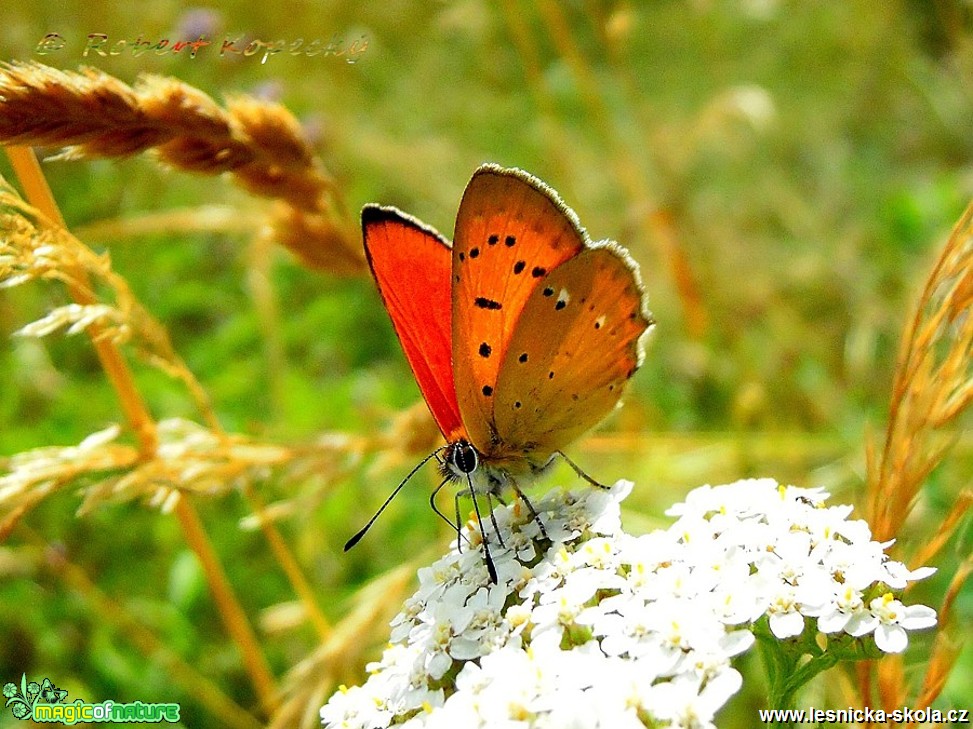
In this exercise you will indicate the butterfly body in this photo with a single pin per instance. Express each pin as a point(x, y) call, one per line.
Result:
point(521, 334)
point(494, 473)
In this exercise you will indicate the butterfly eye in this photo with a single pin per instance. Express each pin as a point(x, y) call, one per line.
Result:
point(463, 457)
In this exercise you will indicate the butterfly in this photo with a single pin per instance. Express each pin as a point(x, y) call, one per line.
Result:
point(521, 334)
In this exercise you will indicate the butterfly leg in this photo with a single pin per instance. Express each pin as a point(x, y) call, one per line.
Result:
point(493, 520)
point(459, 523)
point(459, 519)
point(488, 558)
point(577, 470)
point(530, 507)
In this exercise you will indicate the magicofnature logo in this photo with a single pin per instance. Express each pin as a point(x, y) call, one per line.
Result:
point(45, 702)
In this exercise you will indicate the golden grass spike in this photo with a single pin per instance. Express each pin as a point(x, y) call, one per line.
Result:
point(90, 111)
point(933, 385)
point(91, 114)
point(319, 241)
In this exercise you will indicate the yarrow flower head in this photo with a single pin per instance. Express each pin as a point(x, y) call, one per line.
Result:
point(593, 627)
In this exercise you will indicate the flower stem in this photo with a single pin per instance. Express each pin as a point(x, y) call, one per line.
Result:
point(786, 673)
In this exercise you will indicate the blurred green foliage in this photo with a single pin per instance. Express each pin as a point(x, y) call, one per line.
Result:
point(810, 157)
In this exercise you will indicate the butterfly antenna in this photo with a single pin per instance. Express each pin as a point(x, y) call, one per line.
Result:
point(585, 476)
point(491, 567)
point(361, 533)
point(432, 502)
point(454, 526)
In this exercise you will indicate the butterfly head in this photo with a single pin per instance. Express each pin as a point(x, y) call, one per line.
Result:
point(461, 459)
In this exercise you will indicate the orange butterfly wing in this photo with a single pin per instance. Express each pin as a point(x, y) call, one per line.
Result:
point(411, 265)
point(511, 230)
point(554, 388)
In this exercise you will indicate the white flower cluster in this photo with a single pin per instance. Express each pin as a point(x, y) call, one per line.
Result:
point(598, 628)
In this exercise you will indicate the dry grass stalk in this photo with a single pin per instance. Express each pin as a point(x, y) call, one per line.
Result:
point(116, 369)
point(28, 171)
point(933, 385)
point(231, 612)
point(650, 216)
point(92, 114)
point(891, 682)
point(223, 219)
point(307, 685)
point(34, 249)
point(289, 564)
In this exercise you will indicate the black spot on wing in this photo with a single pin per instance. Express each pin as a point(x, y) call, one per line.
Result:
point(484, 303)
point(509, 241)
point(519, 266)
point(487, 390)
point(485, 349)
point(537, 271)
point(493, 239)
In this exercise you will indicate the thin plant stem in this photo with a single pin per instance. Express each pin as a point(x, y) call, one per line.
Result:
point(289, 564)
point(656, 224)
point(230, 610)
point(260, 257)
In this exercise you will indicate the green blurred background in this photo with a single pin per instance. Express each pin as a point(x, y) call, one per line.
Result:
point(784, 172)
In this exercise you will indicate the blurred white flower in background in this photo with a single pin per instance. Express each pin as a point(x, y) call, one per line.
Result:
point(593, 627)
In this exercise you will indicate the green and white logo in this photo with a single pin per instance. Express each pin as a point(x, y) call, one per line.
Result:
point(45, 702)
